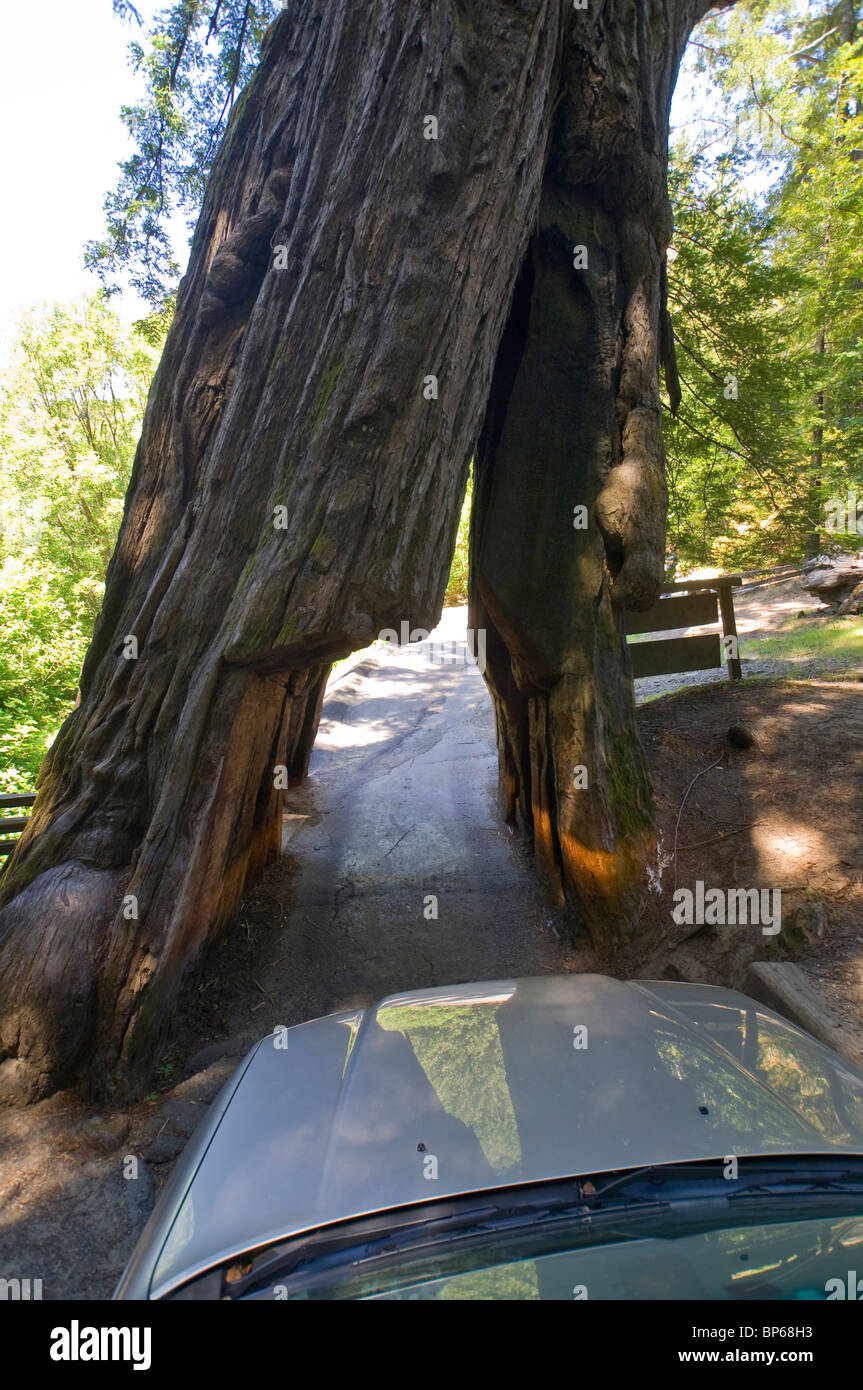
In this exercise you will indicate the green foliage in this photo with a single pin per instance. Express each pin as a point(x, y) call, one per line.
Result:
point(195, 60)
point(71, 403)
point(456, 589)
point(736, 492)
point(765, 286)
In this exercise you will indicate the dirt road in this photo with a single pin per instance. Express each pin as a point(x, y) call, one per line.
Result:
point(398, 873)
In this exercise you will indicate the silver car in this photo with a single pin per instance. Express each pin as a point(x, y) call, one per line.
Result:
point(567, 1137)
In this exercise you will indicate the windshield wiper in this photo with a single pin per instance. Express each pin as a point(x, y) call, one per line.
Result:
point(592, 1204)
point(523, 1212)
point(755, 1177)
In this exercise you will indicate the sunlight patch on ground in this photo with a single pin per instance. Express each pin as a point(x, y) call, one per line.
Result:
point(338, 735)
point(780, 841)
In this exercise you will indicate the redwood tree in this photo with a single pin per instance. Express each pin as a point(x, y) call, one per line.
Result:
point(568, 526)
point(364, 302)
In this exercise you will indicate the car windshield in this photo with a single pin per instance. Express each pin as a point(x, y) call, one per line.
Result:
point(777, 1230)
point(788, 1260)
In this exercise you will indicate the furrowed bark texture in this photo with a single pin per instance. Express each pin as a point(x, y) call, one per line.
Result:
point(340, 260)
point(302, 387)
point(574, 421)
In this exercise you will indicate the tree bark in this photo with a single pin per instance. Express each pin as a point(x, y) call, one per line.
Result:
point(574, 422)
point(340, 261)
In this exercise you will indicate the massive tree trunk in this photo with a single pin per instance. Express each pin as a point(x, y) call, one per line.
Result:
point(568, 527)
point(298, 479)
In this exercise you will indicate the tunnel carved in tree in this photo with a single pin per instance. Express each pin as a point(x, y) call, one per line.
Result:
point(339, 260)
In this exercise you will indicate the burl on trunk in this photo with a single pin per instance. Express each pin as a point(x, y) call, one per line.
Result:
point(296, 488)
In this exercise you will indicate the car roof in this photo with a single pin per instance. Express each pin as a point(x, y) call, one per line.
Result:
point(447, 1091)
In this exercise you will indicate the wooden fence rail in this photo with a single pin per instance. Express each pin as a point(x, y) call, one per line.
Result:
point(8, 823)
point(688, 603)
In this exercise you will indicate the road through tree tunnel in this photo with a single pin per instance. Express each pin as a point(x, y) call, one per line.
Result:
point(336, 347)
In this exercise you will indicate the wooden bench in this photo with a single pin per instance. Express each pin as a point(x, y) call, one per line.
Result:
point(688, 603)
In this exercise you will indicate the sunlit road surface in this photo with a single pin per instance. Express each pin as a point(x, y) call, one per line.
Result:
point(399, 810)
point(397, 820)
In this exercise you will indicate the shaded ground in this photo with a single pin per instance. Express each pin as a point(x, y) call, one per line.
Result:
point(409, 879)
point(399, 809)
point(76, 1187)
point(785, 813)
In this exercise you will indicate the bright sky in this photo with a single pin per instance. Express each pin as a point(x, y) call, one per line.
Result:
point(65, 78)
point(63, 140)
